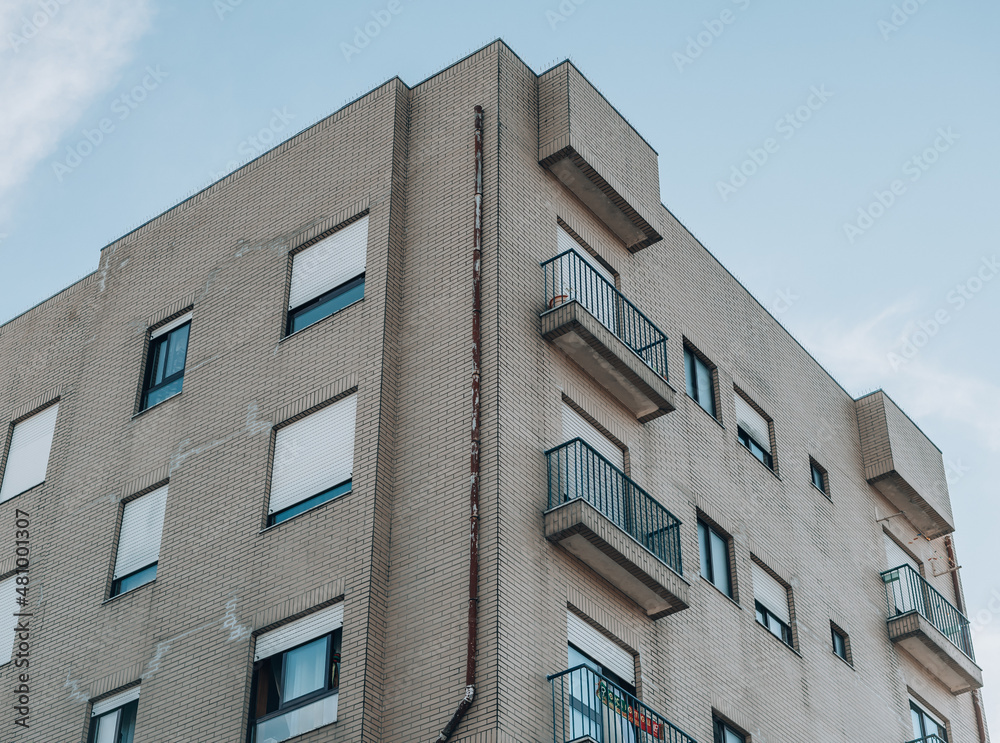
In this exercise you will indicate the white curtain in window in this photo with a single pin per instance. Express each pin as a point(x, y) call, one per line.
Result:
point(300, 631)
point(575, 425)
point(599, 647)
point(313, 454)
point(753, 422)
point(28, 457)
point(329, 263)
point(770, 593)
point(142, 528)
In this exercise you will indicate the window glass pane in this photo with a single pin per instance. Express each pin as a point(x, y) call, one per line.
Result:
point(305, 669)
point(692, 388)
point(917, 726)
point(127, 723)
point(158, 361)
point(135, 580)
point(328, 304)
point(720, 563)
point(706, 395)
point(733, 737)
point(107, 726)
point(298, 721)
point(706, 561)
point(161, 394)
point(178, 350)
point(817, 478)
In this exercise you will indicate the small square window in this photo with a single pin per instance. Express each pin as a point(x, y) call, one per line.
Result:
point(700, 380)
point(716, 566)
point(113, 718)
point(841, 643)
point(165, 362)
point(819, 476)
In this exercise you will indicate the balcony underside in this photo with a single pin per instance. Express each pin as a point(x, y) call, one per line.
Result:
point(600, 353)
point(935, 652)
point(928, 520)
point(586, 533)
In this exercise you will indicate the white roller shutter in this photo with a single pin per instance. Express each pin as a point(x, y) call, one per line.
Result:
point(770, 593)
point(115, 701)
point(28, 457)
point(753, 423)
point(613, 657)
point(300, 631)
point(329, 263)
point(576, 426)
point(566, 242)
point(896, 555)
point(575, 282)
point(142, 528)
point(313, 454)
point(164, 329)
point(8, 607)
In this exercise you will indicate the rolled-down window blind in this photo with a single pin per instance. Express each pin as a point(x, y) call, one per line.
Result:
point(300, 631)
point(313, 454)
point(142, 528)
point(8, 622)
point(770, 593)
point(613, 657)
point(329, 263)
point(895, 556)
point(753, 423)
point(115, 701)
point(576, 426)
point(28, 457)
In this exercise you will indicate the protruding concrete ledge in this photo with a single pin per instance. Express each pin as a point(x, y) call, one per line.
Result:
point(586, 533)
point(607, 359)
point(933, 650)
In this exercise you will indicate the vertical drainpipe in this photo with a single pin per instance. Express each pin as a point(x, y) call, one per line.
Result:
point(960, 601)
point(477, 256)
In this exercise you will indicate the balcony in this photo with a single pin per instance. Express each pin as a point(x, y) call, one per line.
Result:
point(606, 335)
point(928, 739)
point(904, 465)
point(929, 628)
point(599, 515)
point(587, 707)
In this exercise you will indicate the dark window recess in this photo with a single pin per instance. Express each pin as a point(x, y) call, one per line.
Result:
point(700, 381)
point(326, 304)
point(818, 476)
point(292, 511)
point(725, 733)
point(116, 726)
point(289, 681)
point(841, 645)
point(136, 579)
point(774, 625)
point(755, 448)
point(165, 366)
point(715, 564)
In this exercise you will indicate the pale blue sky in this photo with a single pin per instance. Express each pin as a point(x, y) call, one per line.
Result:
point(221, 70)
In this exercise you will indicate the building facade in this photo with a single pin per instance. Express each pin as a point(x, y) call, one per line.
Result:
point(236, 471)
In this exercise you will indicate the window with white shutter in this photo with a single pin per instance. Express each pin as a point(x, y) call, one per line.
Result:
point(904, 587)
point(583, 278)
point(599, 647)
point(113, 718)
point(575, 425)
point(328, 276)
point(28, 456)
point(754, 431)
point(313, 460)
point(771, 599)
point(8, 607)
point(139, 541)
point(296, 676)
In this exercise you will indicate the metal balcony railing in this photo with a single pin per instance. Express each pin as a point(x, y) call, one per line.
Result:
point(907, 591)
point(928, 739)
point(577, 471)
point(585, 703)
point(568, 278)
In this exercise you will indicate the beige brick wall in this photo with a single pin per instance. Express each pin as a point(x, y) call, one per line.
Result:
point(396, 548)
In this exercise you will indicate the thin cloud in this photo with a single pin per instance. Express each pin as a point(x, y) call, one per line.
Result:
point(55, 60)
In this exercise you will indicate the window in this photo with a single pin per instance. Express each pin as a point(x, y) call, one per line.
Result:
point(819, 477)
point(313, 460)
point(575, 426)
point(139, 541)
point(296, 676)
point(28, 455)
point(112, 720)
point(8, 623)
point(168, 347)
point(771, 602)
point(726, 733)
point(754, 431)
point(700, 380)
point(841, 643)
point(716, 567)
point(582, 277)
point(926, 727)
point(328, 276)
